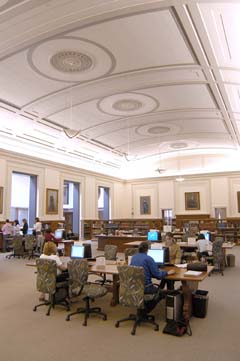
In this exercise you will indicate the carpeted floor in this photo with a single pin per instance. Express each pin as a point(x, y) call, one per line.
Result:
point(32, 336)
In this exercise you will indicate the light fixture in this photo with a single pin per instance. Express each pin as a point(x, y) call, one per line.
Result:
point(68, 131)
point(71, 133)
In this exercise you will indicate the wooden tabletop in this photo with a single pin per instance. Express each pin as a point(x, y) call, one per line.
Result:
point(177, 276)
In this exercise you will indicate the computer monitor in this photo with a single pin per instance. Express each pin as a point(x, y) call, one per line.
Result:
point(207, 235)
point(77, 251)
point(58, 234)
point(153, 236)
point(157, 255)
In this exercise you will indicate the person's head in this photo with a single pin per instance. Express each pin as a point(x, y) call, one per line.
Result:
point(37, 219)
point(48, 230)
point(143, 247)
point(16, 222)
point(201, 236)
point(24, 220)
point(169, 238)
point(7, 220)
point(49, 248)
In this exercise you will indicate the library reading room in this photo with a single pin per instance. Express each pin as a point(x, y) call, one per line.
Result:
point(120, 180)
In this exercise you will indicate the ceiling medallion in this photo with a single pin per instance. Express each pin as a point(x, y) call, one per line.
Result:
point(71, 133)
point(127, 105)
point(158, 130)
point(179, 145)
point(70, 61)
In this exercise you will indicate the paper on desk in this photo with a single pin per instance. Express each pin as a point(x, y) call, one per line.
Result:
point(181, 265)
point(192, 273)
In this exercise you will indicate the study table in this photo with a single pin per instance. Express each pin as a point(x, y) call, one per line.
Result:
point(184, 245)
point(118, 241)
point(189, 283)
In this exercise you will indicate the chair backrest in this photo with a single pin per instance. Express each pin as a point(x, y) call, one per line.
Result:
point(46, 275)
point(130, 252)
point(78, 273)
point(132, 282)
point(110, 252)
point(30, 242)
point(18, 247)
point(218, 254)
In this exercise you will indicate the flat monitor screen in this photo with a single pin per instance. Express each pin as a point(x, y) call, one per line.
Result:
point(77, 252)
point(58, 234)
point(157, 255)
point(207, 235)
point(153, 236)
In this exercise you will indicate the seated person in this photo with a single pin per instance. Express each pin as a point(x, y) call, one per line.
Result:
point(204, 246)
point(49, 237)
point(174, 249)
point(151, 270)
point(174, 257)
point(50, 252)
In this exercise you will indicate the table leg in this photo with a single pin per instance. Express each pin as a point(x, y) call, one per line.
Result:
point(187, 288)
point(115, 290)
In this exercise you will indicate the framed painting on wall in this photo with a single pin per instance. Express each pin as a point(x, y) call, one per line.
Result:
point(51, 201)
point(192, 201)
point(145, 205)
point(1, 199)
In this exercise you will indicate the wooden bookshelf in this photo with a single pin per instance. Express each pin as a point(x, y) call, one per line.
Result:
point(140, 227)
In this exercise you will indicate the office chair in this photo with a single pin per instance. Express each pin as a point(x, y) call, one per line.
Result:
point(30, 244)
point(47, 283)
point(18, 247)
point(132, 283)
point(218, 255)
point(78, 276)
point(110, 254)
point(129, 252)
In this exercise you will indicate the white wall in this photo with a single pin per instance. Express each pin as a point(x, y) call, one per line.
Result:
point(217, 191)
point(220, 194)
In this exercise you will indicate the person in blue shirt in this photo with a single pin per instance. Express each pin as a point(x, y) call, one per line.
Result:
point(151, 270)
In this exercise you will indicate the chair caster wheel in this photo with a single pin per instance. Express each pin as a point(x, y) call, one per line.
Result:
point(67, 318)
point(117, 324)
point(84, 323)
point(133, 333)
point(104, 318)
point(156, 328)
point(35, 309)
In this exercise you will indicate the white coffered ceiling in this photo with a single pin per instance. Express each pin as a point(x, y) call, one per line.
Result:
point(147, 84)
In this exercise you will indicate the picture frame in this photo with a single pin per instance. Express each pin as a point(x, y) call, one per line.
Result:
point(192, 201)
point(51, 201)
point(145, 205)
point(1, 199)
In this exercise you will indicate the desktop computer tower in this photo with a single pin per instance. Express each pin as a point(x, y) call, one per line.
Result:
point(174, 306)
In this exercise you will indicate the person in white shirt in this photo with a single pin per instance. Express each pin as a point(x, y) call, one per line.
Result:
point(204, 246)
point(50, 252)
point(16, 228)
point(7, 229)
point(37, 227)
point(37, 231)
